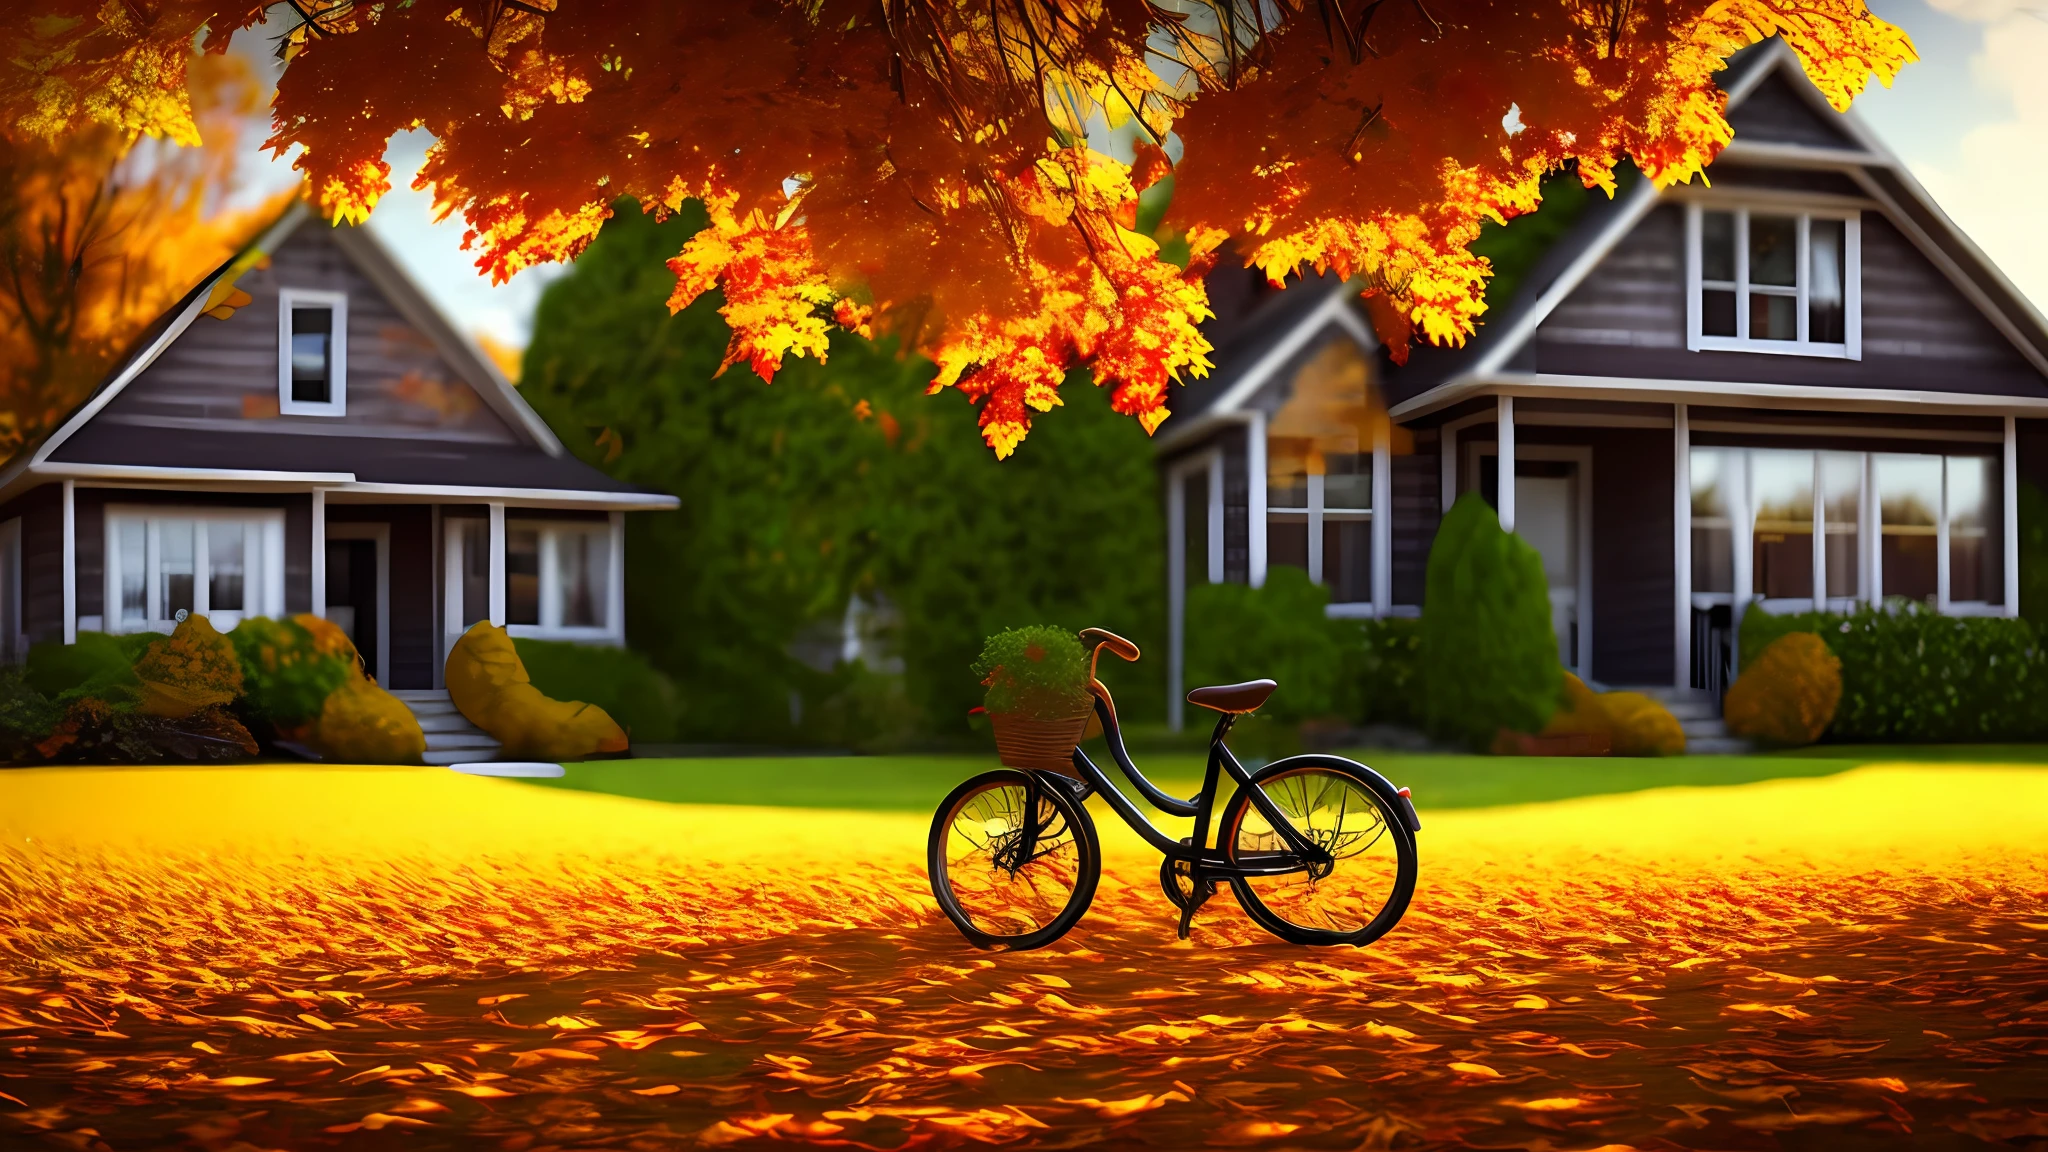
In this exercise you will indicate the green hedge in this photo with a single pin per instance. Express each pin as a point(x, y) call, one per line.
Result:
point(1912, 675)
point(1279, 632)
point(1387, 670)
point(620, 681)
point(1489, 655)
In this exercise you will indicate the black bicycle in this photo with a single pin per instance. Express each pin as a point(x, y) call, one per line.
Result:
point(1317, 849)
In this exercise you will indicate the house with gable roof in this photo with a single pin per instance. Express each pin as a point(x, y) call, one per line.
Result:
point(1795, 385)
point(305, 432)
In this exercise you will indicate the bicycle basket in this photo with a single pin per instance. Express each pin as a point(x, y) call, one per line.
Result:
point(1030, 742)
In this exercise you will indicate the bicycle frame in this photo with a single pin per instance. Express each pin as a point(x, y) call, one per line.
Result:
point(1211, 861)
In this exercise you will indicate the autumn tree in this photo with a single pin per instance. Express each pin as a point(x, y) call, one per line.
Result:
point(930, 169)
point(842, 479)
point(99, 233)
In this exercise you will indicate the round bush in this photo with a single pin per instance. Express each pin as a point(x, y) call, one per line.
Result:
point(1788, 697)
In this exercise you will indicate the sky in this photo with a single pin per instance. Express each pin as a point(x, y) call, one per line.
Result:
point(1970, 120)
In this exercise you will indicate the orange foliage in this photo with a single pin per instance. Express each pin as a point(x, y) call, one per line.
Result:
point(98, 237)
point(930, 160)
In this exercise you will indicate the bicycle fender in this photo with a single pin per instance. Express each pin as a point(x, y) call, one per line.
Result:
point(1397, 798)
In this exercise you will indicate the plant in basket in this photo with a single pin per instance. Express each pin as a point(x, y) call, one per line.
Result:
point(1038, 699)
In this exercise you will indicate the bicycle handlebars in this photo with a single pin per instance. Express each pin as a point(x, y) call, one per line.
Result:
point(1103, 638)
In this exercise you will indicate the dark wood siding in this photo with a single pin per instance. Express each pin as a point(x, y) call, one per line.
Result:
point(1773, 113)
point(42, 560)
point(221, 375)
point(412, 590)
point(1417, 499)
point(1633, 591)
point(1237, 495)
point(1919, 332)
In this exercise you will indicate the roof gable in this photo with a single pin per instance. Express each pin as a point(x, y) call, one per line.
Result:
point(1775, 112)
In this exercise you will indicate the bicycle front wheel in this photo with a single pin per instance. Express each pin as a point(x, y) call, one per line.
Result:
point(1013, 860)
point(1355, 899)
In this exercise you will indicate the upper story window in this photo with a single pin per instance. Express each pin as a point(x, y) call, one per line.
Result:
point(312, 343)
point(1771, 280)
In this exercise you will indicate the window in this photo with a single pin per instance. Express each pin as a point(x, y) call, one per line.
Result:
point(312, 362)
point(1889, 525)
point(1319, 460)
point(1774, 281)
point(1713, 525)
point(163, 565)
point(558, 576)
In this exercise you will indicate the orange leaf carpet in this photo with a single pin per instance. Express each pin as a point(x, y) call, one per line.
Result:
point(242, 959)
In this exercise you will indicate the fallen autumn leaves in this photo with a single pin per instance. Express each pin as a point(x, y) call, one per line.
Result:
point(239, 988)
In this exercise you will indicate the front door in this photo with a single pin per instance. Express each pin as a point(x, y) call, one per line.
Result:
point(1550, 514)
point(1547, 516)
point(359, 591)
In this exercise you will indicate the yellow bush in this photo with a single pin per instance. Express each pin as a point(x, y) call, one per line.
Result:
point(1640, 726)
point(1788, 696)
point(361, 723)
point(194, 667)
point(488, 684)
point(1632, 723)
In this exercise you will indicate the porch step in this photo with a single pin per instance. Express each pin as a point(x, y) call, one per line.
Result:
point(451, 738)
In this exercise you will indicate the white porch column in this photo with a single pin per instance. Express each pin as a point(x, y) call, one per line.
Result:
point(1255, 499)
point(615, 581)
point(1176, 593)
point(1820, 538)
point(1941, 573)
point(319, 565)
point(1382, 515)
point(70, 574)
point(1504, 488)
point(2011, 551)
point(1447, 467)
point(1681, 546)
point(497, 546)
point(1216, 518)
point(1744, 542)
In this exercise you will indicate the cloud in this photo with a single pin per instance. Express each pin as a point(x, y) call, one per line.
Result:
point(1993, 189)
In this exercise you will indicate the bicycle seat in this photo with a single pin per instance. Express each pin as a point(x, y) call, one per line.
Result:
point(1238, 698)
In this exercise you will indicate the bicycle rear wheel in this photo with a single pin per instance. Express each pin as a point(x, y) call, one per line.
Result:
point(1007, 876)
point(1355, 899)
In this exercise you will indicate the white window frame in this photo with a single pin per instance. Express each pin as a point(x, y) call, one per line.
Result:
point(262, 564)
point(1869, 552)
point(612, 630)
point(337, 402)
point(1852, 287)
point(1316, 514)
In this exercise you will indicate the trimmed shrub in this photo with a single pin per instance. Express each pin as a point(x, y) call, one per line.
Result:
point(361, 723)
point(620, 681)
point(99, 666)
point(489, 685)
point(1788, 696)
point(1489, 656)
point(1279, 632)
point(290, 668)
point(1387, 672)
point(1640, 726)
point(194, 667)
point(1912, 675)
point(1629, 723)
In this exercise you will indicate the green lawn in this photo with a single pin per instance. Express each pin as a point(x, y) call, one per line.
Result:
point(917, 783)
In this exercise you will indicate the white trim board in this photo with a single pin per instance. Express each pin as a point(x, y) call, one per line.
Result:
point(1718, 393)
